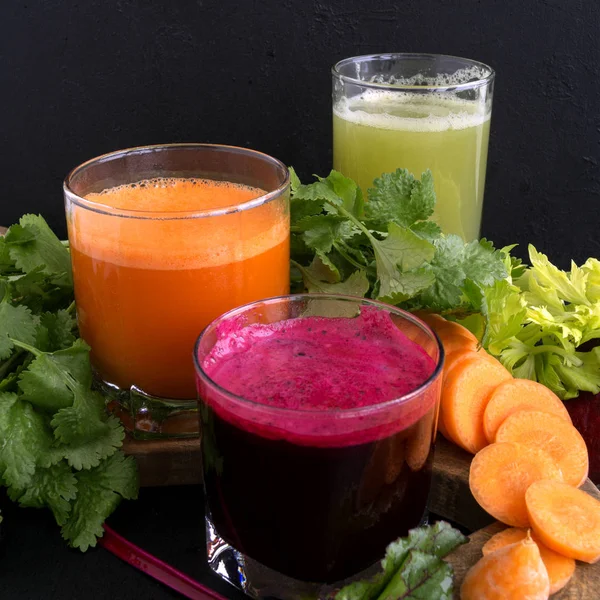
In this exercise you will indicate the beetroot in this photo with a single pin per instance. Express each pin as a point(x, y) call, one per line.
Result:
point(585, 412)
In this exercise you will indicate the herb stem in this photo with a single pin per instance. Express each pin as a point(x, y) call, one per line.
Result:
point(27, 347)
point(8, 365)
point(347, 256)
point(352, 218)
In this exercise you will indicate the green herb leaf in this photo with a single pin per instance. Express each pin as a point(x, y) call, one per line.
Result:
point(347, 190)
point(355, 285)
point(399, 198)
point(99, 491)
point(25, 441)
point(406, 567)
point(86, 437)
point(7, 264)
point(456, 262)
point(53, 487)
point(321, 231)
point(422, 577)
point(47, 381)
point(32, 244)
point(16, 323)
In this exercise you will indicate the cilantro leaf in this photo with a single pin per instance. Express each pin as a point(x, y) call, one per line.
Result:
point(399, 198)
point(60, 325)
point(16, 322)
point(54, 487)
point(404, 250)
point(456, 262)
point(86, 437)
point(428, 230)
point(6, 262)
point(51, 422)
point(294, 179)
point(44, 383)
point(347, 190)
point(25, 441)
point(99, 491)
point(32, 244)
point(355, 285)
point(321, 231)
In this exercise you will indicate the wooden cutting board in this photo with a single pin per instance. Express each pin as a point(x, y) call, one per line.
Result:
point(177, 462)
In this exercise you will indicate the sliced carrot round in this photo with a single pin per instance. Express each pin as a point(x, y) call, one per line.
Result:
point(434, 320)
point(552, 434)
point(457, 356)
point(519, 394)
point(500, 475)
point(514, 572)
point(565, 519)
point(464, 397)
point(458, 343)
point(560, 568)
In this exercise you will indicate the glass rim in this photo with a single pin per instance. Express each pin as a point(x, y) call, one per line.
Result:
point(468, 62)
point(341, 412)
point(106, 209)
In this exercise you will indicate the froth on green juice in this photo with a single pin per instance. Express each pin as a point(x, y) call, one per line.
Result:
point(381, 130)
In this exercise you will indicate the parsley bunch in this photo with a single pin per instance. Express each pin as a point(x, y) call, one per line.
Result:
point(58, 447)
point(386, 248)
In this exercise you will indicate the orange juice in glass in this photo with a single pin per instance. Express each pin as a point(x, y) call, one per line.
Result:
point(163, 240)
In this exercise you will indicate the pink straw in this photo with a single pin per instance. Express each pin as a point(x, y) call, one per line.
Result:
point(155, 568)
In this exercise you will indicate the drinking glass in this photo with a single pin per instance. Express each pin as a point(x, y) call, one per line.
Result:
point(299, 500)
point(149, 277)
point(417, 112)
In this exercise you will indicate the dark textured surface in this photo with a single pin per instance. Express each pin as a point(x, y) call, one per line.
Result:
point(82, 78)
point(36, 564)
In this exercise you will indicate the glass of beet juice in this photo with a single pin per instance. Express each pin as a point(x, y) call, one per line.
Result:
point(318, 416)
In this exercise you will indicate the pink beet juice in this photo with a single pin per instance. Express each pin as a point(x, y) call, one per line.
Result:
point(318, 417)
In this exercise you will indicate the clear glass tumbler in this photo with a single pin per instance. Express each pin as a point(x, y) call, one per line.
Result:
point(300, 499)
point(163, 240)
point(417, 112)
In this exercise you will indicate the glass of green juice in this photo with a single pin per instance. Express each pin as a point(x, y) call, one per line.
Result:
point(417, 112)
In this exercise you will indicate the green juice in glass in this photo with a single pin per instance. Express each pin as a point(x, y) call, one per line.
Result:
point(381, 130)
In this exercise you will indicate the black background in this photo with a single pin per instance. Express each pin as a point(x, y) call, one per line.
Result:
point(80, 78)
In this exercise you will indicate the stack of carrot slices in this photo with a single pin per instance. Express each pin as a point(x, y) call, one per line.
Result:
point(529, 463)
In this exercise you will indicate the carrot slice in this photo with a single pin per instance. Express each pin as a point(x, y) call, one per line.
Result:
point(560, 568)
point(464, 397)
point(432, 319)
point(566, 519)
point(519, 394)
point(458, 342)
point(449, 329)
point(500, 475)
point(456, 356)
point(552, 434)
point(514, 572)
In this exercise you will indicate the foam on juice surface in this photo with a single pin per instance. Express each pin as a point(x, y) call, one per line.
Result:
point(167, 242)
point(403, 111)
point(192, 194)
point(324, 366)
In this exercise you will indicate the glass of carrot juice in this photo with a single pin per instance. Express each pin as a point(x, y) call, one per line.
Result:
point(163, 240)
